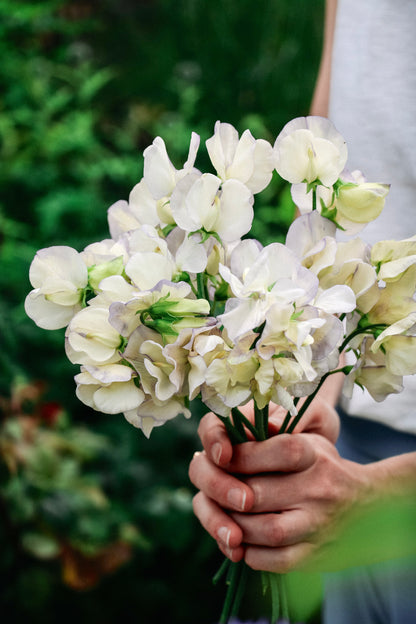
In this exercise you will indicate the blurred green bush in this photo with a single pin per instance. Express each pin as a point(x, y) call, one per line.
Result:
point(85, 86)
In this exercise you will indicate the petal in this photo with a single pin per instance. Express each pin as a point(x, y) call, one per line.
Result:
point(236, 211)
point(61, 263)
point(121, 219)
point(147, 269)
point(336, 300)
point(118, 397)
point(142, 204)
point(158, 171)
point(221, 147)
point(191, 255)
point(47, 314)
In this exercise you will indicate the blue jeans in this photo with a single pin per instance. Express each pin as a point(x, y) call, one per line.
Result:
point(379, 593)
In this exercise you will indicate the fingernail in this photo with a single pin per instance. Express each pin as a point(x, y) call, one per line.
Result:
point(237, 498)
point(224, 535)
point(216, 452)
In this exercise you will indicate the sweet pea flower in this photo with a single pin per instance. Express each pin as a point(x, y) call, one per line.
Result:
point(310, 149)
point(372, 373)
point(245, 159)
point(231, 377)
point(197, 203)
point(59, 276)
point(351, 202)
point(360, 203)
point(154, 413)
point(312, 239)
point(110, 389)
point(206, 345)
point(161, 367)
point(91, 340)
point(159, 174)
point(104, 251)
point(393, 258)
point(396, 299)
point(352, 268)
point(275, 276)
point(168, 308)
point(190, 253)
point(398, 342)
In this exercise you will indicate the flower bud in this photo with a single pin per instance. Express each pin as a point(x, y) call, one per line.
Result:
point(361, 203)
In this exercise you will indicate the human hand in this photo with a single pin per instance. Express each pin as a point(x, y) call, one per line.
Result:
point(290, 492)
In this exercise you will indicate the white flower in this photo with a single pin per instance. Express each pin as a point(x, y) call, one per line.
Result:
point(351, 203)
point(159, 173)
point(153, 413)
point(309, 149)
point(246, 159)
point(351, 267)
point(166, 308)
point(360, 203)
point(396, 299)
point(312, 239)
point(394, 257)
point(146, 269)
point(231, 377)
point(398, 342)
point(103, 251)
point(372, 373)
point(275, 276)
point(197, 203)
point(91, 340)
point(162, 368)
point(110, 389)
point(59, 276)
point(189, 252)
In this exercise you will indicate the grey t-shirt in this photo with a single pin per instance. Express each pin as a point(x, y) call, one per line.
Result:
point(373, 105)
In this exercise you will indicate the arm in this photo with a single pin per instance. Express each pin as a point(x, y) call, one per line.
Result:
point(320, 99)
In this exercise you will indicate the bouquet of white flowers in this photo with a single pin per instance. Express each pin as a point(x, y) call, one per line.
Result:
point(179, 303)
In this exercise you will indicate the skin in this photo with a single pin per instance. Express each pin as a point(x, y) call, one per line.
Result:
point(280, 504)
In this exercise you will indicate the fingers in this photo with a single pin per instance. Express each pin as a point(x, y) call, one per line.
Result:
point(215, 439)
point(224, 488)
point(275, 530)
point(282, 453)
point(279, 560)
point(220, 526)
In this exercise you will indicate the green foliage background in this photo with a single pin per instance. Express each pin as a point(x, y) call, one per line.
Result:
point(85, 86)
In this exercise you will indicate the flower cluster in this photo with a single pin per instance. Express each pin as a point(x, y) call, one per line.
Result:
point(179, 302)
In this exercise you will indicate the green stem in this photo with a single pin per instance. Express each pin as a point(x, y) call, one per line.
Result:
point(260, 422)
point(240, 589)
point(232, 582)
point(283, 597)
point(310, 398)
point(238, 424)
point(233, 433)
point(314, 198)
point(237, 414)
point(369, 329)
point(222, 570)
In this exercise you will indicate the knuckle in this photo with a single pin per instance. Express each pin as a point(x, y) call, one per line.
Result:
point(257, 492)
point(285, 561)
point(275, 532)
point(296, 450)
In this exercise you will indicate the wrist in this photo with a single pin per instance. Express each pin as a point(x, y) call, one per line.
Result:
point(394, 476)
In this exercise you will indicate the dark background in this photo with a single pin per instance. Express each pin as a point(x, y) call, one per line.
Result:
point(95, 521)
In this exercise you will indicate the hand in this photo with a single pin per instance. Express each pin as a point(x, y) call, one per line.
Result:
point(289, 496)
